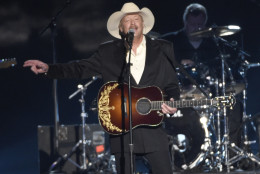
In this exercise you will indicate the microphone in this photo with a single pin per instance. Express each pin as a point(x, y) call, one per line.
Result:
point(131, 32)
point(130, 36)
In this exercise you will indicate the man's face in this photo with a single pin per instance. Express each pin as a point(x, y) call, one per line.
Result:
point(194, 23)
point(132, 21)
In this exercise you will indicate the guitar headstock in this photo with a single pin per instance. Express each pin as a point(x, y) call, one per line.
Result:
point(224, 101)
point(6, 63)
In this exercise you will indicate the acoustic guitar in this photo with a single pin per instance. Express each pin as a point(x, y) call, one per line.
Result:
point(113, 106)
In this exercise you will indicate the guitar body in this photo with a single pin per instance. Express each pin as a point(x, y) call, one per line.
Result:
point(113, 107)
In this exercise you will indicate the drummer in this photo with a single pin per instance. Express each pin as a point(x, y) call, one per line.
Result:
point(198, 52)
point(192, 50)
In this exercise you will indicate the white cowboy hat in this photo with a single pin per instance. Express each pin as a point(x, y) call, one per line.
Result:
point(114, 20)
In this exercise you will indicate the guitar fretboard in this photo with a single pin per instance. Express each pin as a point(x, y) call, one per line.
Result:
point(156, 105)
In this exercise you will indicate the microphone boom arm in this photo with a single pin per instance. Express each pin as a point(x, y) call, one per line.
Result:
point(94, 78)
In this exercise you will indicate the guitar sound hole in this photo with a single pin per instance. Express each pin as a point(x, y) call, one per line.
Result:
point(143, 106)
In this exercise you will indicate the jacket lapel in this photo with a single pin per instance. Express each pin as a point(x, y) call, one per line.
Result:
point(119, 56)
point(151, 54)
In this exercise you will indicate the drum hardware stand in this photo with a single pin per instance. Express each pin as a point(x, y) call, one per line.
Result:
point(206, 147)
point(83, 141)
point(225, 143)
point(225, 139)
point(218, 165)
point(217, 156)
point(242, 153)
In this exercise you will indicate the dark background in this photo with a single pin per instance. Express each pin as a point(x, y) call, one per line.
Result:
point(26, 100)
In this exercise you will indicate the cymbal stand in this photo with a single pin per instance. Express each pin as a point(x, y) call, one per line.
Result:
point(82, 89)
point(240, 152)
point(225, 140)
point(216, 160)
point(243, 153)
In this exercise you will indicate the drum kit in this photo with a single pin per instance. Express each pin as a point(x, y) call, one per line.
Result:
point(199, 137)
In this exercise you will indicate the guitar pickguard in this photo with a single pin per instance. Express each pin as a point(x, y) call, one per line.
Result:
point(104, 108)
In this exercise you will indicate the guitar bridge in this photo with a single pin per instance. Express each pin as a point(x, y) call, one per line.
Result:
point(160, 113)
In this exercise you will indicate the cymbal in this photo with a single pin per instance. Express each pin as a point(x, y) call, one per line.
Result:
point(216, 31)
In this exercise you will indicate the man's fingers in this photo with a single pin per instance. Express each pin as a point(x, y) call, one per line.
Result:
point(36, 66)
point(31, 63)
point(167, 109)
point(34, 69)
point(26, 64)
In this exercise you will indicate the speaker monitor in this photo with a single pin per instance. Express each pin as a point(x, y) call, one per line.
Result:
point(68, 136)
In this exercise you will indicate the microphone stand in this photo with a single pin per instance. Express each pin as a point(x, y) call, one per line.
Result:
point(131, 145)
point(81, 89)
point(53, 26)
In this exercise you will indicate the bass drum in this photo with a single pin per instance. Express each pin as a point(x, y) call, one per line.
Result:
point(187, 134)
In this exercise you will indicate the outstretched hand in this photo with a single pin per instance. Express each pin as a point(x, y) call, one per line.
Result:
point(167, 109)
point(36, 66)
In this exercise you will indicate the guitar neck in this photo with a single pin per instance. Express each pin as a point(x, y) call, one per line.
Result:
point(156, 105)
point(6, 63)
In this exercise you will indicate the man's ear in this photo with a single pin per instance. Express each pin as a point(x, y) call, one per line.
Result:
point(120, 30)
point(121, 33)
